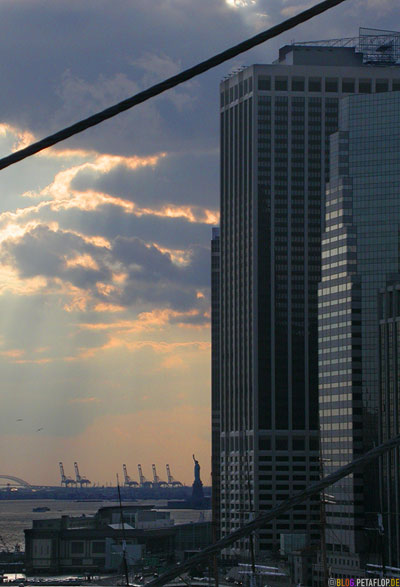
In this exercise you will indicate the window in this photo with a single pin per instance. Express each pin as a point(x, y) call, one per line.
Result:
point(348, 86)
point(77, 547)
point(382, 85)
point(314, 84)
point(264, 83)
point(264, 443)
point(331, 85)
point(298, 444)
point(396, 85)
point(281, 84)
point(98, 547)
point(364, 86)
point(298, 84)
point(281, 443)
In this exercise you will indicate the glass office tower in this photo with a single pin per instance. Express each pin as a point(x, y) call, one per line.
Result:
point(389, 355)
point(275, 126)
point(360, 255)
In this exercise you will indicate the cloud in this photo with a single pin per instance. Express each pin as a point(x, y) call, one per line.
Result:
point(85, 400)
point(150, 275)
point(188, 178)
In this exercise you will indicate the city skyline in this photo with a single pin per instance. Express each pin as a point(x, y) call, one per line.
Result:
point(105, 294)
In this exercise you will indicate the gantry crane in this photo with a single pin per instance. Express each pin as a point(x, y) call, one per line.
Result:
point(157, 482)
point(79, 479)
point(65, 480)
point(171, 481)
point(142, 478)
point(127, 480)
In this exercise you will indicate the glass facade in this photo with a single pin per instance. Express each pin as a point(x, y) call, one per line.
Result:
point(360, 253)
point(389, 355)
point(276, 121)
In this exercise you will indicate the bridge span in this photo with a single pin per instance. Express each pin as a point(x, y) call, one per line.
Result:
point(17, 480)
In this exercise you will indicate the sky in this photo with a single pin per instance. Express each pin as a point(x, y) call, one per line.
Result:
point(105, 239)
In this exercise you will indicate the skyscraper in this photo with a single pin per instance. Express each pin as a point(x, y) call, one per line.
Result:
point(360, 255)
point(215, 412)
point(389, 354)
point(275, 126)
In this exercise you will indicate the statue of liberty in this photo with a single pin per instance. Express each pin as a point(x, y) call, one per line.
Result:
point(196, 470)
point(197, 487)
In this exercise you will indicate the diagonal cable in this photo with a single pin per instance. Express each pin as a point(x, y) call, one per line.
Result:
point(262, 520)
point(167, 84)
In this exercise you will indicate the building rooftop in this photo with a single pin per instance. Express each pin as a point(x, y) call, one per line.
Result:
point(372, 47)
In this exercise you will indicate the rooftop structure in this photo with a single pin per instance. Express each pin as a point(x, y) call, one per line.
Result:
point(375, 46)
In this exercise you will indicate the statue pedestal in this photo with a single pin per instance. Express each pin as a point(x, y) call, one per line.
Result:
point(197, 492)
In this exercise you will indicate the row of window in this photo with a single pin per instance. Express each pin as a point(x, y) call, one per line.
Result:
point(317, 84)
point(312, 84)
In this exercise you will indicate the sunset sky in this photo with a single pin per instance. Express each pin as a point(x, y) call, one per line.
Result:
point(104, 240)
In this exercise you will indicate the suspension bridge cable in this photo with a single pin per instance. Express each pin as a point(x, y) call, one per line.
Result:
point(167, 84)
point(263, 519)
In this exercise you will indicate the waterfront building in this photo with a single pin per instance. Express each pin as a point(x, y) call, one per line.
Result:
point(93, 544)
point(360, 255)
point(275, 125)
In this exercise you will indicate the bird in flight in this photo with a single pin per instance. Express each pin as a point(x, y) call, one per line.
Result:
point(39, 429)
point(19, 419)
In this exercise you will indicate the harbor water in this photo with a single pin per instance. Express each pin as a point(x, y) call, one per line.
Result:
point(17, 515)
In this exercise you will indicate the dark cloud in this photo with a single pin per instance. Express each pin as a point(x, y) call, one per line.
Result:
point(111, 221)
point(153, 278)
point(44, 252)
point(66, 60)
point(181, 179)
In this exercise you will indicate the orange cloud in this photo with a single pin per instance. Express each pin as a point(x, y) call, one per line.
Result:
point(152, 320)
point(13, 353)
point(174, 362)
point(178, 256)
point(85, 400)
point(103, 307)
point(34, 361)
point(11, 282)
point(85, 261)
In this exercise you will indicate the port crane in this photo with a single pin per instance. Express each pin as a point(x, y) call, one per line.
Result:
point(157, 482)
point(142, 478)
point(65, 480)
point(171, 481)
point(127, 480)
point(79, 478)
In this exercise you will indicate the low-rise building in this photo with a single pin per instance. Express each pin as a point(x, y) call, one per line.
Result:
point(94, 543)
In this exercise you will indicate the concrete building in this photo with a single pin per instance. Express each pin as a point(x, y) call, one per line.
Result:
point(275, 126)
point(360, 255)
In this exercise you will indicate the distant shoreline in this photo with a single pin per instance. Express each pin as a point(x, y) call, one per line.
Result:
point(98, 493)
